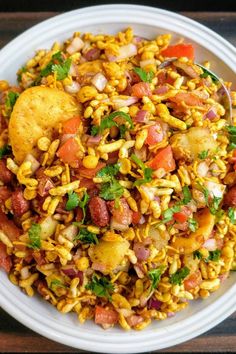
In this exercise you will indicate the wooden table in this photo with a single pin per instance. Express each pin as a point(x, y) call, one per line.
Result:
point(14, 337)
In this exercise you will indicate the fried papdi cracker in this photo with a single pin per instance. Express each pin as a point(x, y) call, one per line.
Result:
point(38, 112)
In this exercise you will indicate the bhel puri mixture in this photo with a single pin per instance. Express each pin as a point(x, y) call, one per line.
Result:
point(117, 178)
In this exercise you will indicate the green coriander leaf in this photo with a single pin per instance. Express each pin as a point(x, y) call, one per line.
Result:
point(207, 73)
point(147, 171)
point(86, 236)
point(5, 150)
point(232, 146)
point(214, 205)
point(147, 177)
point(231, 129)
point(205, 192)
point(109, 122)
point(83, 204)
point(214, 256)
point(94, 130)
point(187, 195)
point(101, 287)
point(232, 136)
point(11, 99)
point(47, 70)
point(179, 276)
point(138, 162)
point(107, 172)
point(57, 283)
point(219, 214)
point(123, 129)
point(62, 70)
point(155, 276)
point(57, 57)
point(203, 154)
point(197, 254)
point(144, 76)
point(231, 215)
point(193, 225)
point(20, 72)
point(73, 201)
point(111, 190)
point(168, 213)
point(35, 236)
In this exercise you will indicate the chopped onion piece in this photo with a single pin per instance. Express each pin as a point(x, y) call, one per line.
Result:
point(48, 227)
point(75, 45)
point(70, 232)
point(99, 81)
point(215, 189)
point(210, 244)
point(73, 88)
point(202, 169)
point(142, 116)
point(211, 114)
point(127, 51)
point(34, 163)
point(73, 70)
point(123, 102)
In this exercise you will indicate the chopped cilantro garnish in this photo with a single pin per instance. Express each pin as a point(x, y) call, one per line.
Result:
point(20, 72)
point(207, 73)
point(57, 283)
point(147, 171)
point(109, 122)
point(205, 192)
point(193, 225)
point(203, 154)
point(138, 162)
point(85, 236)
point(83, 203)
point(62, 70)
point(214, 256)
point(155, 276)
point(168, 213)
point(11, 99)
point(179, 276)
point(144, 76)
point(214, 205)
point(147, 177)
point(231, 215)
point(107, 172)
point(35, 236)
point(101, 287)
point(197, 254)
point(231, 129)
point(111, 190)
point(232, 136)
point(57, 65)
point(73, 201)
point(187, 195)
point(5, 150)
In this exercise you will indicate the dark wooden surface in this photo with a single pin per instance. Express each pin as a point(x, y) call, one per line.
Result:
point(16, 338)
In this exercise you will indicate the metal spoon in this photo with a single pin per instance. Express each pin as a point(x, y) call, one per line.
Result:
point(224, 92)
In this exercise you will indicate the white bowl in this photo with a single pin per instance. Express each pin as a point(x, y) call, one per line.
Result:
point(36, 313)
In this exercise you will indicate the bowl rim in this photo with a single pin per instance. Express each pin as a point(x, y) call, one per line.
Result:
point(195, 324)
